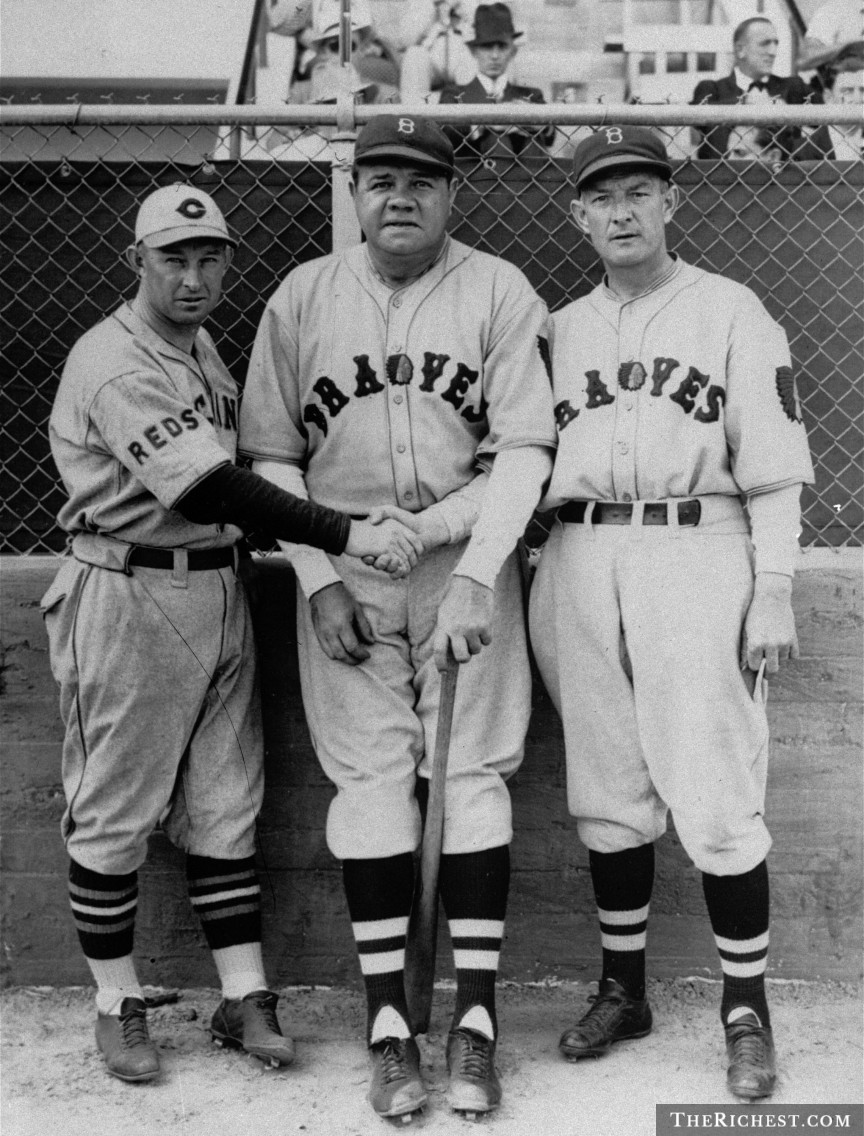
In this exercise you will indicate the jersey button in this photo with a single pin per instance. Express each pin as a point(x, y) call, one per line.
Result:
point(626, 497)
point(623, 448)
point(409, 493)
point(400, 449)
point(397, 302)
point(397, 398)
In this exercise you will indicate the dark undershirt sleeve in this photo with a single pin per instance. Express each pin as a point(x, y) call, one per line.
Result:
point(234, 496)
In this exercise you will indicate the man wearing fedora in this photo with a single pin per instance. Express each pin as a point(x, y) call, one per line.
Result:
point(494, 47)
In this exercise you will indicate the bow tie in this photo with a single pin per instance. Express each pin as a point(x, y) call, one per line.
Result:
point(758, 85)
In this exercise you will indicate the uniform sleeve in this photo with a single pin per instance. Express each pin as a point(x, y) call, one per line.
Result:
point(764, 429)
point(166, 444)
point(517, 379)
point(270, 413)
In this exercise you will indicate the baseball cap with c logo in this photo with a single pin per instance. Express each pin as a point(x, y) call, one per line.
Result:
point(179, 213)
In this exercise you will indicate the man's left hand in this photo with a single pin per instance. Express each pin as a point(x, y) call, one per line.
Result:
point(464, 621)
point(769, 628)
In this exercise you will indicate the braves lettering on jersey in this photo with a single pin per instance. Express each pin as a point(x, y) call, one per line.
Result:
point(135, 424)
point(685, 392)
point(369, 387)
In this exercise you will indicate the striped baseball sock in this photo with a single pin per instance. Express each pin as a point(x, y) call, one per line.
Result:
point(622, 888)
point(103, 908)
point(474, 888)
point(379, 894)
point(227, 897)
point(738, 907)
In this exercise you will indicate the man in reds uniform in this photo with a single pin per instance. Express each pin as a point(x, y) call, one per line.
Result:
point(675, 400)
point(149, 631)
point(399, 374)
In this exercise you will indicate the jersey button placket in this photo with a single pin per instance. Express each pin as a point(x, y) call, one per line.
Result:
point(399, 413)
point(626, 409)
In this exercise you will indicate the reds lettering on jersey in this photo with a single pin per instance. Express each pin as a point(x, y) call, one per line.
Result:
point(684, 391)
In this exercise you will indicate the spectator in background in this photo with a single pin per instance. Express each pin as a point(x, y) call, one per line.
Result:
point(494, 48)
point(843, 88)
point(755, 144)
point(437, 55)
point(372, 59)
point(835, 25)
point(754, 45)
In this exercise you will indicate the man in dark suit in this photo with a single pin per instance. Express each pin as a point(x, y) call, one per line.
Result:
point(493, 47)
point(754, 45)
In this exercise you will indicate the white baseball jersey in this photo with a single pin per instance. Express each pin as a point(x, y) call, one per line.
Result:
point(391, 397)
point(136, 422)
point(682, 392)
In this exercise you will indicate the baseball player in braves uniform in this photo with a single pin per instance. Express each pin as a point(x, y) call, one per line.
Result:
point(149, 630)
point(675, 402)
point(409, 373)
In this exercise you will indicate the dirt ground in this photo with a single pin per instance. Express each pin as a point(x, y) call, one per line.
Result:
point(53, 1080)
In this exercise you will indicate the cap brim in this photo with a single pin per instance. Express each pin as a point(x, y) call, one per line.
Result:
point(186, 233)
point(404, 153)
point(618, 160)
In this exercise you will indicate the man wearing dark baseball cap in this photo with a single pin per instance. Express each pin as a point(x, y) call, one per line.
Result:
point(636, 147)
point(659, 604)
point(405, 139)
point(405, 377)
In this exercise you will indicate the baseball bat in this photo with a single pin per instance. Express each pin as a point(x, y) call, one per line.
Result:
point(422, 940)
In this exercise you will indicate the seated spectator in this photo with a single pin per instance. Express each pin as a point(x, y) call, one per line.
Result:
point(494, 48)
point(754, 45)
point(755, 144)
point(842, 142)
point(371, 58)
point(437, 55)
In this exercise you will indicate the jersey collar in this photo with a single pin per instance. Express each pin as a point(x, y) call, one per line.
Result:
point(133, 323)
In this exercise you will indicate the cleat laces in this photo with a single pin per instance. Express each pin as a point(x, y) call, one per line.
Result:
point(266, 1006)
point(603, 1012)
point(133, 1025)
point(474, 1056)
point(748, 1045)
point(393, 1065)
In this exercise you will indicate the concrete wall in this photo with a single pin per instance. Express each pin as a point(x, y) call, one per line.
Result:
point(813, 810)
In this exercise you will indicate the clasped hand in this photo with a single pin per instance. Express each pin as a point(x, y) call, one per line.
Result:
point(392, 539)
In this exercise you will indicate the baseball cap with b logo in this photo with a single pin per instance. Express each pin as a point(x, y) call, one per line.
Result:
point(614, 146)
point(406, 137)
point(179, 213)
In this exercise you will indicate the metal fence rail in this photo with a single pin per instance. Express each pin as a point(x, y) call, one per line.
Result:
point(71, 178)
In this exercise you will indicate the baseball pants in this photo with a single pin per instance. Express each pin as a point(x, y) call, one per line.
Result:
point(373, 725)
point(159, 698)
point(636, 630)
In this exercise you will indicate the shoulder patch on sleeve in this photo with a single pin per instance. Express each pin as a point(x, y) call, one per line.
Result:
point(788, 393)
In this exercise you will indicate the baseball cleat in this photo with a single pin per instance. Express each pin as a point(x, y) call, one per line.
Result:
point(124, 1042)
point(396, 1089)
point(474, 1085)
point(614, 1016)
point(251, 1024)
point(750, 1049)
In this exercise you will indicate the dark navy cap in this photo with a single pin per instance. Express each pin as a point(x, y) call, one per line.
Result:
point(612, 146)
point(407, 138)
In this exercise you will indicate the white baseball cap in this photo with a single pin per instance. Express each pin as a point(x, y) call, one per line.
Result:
point(179, 213)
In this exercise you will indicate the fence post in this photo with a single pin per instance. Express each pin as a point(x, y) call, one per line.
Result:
point(346, 229)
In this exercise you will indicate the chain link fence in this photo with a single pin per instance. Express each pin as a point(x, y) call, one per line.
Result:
point(789, 227)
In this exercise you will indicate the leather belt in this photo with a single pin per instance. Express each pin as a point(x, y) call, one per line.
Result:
point(621, 513)
point(200, 560)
